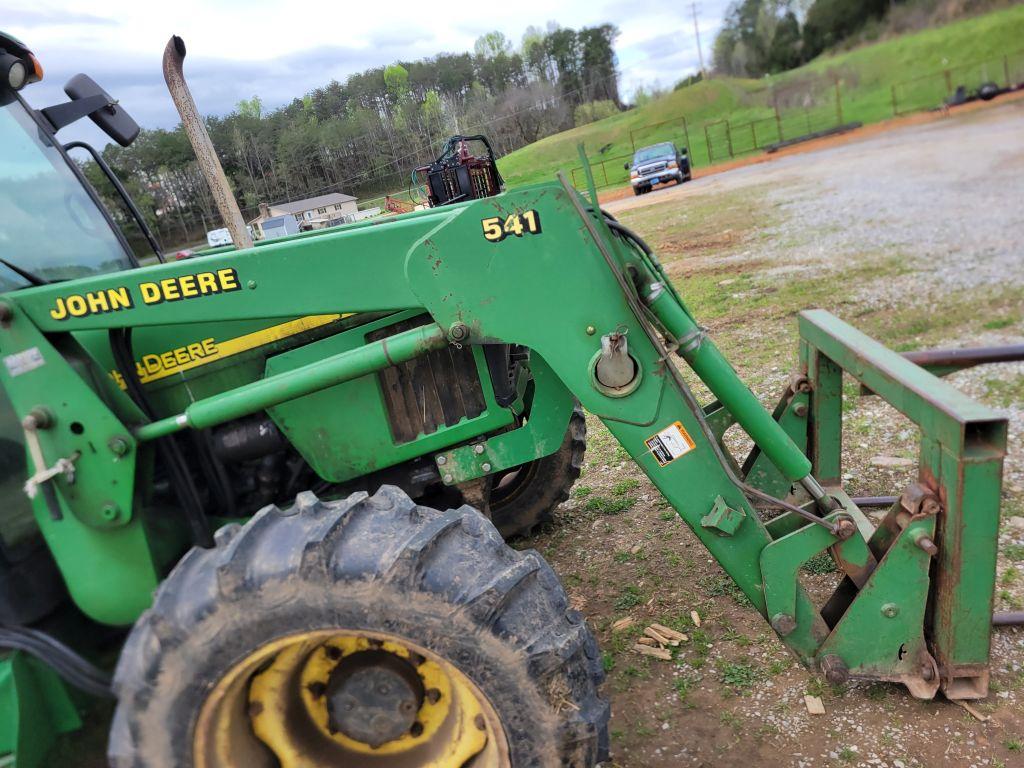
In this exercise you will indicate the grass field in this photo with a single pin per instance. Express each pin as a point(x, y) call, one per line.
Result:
point(972, 50)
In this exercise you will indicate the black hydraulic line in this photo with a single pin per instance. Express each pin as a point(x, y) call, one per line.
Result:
point(71, 667)
point(875, 501)
point(174, 459)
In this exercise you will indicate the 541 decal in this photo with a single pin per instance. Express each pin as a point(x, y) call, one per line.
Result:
point(497, 228)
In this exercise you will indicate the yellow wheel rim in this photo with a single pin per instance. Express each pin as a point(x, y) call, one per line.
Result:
point(347, 699)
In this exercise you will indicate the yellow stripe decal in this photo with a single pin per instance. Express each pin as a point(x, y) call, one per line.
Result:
point(153, 367)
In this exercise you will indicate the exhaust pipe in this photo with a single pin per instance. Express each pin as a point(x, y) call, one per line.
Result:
point(174, 58)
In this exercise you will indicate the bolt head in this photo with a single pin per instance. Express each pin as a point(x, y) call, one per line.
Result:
point(486, 467)
point(458, 332)
point(448, 478)
point(478, 448)
point(118, 446)
point(442, 460)
point(110, 512)
point(591, 330)
point(800, 409)
point(890, 610)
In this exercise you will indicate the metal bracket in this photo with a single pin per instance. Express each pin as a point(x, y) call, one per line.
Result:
point(723, 519)
point(42, 474)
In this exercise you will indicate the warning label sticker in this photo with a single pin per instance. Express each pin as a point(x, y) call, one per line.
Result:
point(670, 443)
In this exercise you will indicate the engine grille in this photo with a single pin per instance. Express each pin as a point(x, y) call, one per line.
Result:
point(437, 389)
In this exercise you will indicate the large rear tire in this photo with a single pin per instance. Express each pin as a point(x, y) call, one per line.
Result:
point(523, 499)
point(225, 669)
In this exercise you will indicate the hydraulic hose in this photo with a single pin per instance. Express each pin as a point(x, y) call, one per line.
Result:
point(71, 667)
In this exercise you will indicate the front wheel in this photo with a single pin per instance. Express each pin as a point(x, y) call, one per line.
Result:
point(362, 632)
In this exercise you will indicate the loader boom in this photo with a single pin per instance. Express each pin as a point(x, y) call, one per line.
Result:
point(539, 267)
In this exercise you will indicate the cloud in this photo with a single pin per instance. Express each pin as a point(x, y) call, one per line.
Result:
point(237, 50)
point(39, 18)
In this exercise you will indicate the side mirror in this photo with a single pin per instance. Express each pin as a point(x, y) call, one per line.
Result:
point(89, 99)
point(626, 166)
point(112, 118)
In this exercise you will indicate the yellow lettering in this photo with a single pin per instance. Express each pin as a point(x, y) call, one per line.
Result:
point(77, 306)
point(209, 347)
point(195, 351)
point(97, 302)
point(152, 363)
point(167, 359)
point(60, 310)
point(150, 293)
point(188, 287)
point(119, 298)
point(170, 289)
point(207, 282)
point(228, 279)
point(181, 355)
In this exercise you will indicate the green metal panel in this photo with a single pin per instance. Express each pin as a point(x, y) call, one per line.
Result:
point(881, 634)
point(356, 410)
point(826, 416)
point(88, 521)
point(541, 435)
point(34, 708)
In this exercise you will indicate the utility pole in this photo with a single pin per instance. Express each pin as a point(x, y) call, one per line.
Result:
point(696, 29)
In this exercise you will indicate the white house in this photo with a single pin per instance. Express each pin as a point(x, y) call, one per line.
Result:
point(311, 213)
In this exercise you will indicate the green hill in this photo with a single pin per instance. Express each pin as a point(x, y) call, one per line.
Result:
point(973, 51)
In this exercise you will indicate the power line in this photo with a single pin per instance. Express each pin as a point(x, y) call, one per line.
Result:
point(696, 29)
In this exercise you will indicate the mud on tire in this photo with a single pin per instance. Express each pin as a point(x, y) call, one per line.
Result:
point(444, 580)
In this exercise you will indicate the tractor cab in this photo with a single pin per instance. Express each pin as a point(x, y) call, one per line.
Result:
point(54, 226)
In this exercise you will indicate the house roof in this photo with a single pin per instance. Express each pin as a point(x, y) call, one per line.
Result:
point(320, 201)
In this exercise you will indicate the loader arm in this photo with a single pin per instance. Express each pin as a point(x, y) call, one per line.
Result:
point(539, 268)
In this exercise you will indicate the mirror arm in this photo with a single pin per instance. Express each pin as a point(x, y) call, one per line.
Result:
point(63, 115)
point(133, 209)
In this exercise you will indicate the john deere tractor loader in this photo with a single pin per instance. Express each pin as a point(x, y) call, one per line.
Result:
point(244, 480)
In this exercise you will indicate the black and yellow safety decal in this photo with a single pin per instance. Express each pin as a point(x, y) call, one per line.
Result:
point(155, 366)
point(192, 286)
point(497, 229)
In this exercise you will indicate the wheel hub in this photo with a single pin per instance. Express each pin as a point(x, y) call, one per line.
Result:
point(374, 697)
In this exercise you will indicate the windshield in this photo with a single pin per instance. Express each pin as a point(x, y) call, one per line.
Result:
point(49, 225)
point(653, 153)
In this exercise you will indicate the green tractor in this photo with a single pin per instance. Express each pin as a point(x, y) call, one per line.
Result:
point(270, 486)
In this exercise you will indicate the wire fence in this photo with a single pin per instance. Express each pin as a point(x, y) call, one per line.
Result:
point(956, 84)
point(804, 109)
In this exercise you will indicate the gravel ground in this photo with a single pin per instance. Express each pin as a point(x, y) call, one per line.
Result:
point(916, 235)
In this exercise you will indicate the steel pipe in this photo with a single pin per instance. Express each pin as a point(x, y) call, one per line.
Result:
point(1007, 618)
point(966, 358)
point(304, 380)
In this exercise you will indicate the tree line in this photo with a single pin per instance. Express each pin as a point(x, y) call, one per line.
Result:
point(363, 136)
point(767, 36)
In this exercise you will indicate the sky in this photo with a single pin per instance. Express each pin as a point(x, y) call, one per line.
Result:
point(280, 51)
